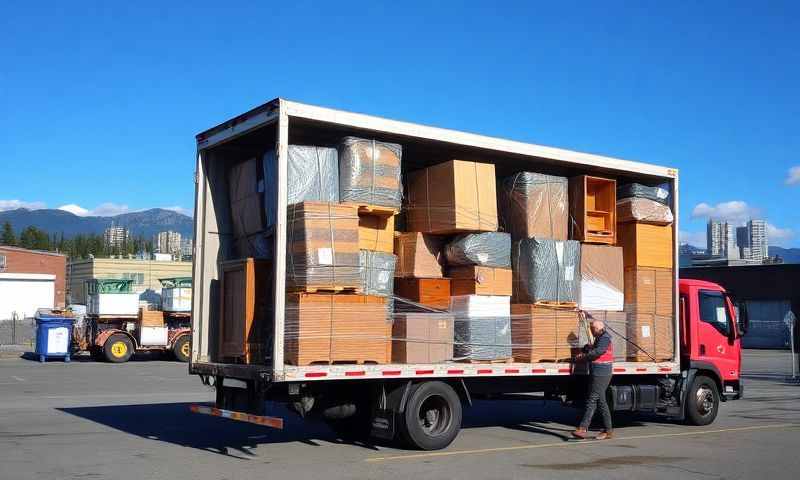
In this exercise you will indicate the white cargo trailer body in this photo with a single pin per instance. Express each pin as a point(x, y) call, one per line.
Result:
point(176, 299)
point(280, 121)
point(113, 304)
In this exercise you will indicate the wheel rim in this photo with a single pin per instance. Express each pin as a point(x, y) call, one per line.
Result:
point(185, 349)
point(434, 415)
point(705, 400)
point(119, 349)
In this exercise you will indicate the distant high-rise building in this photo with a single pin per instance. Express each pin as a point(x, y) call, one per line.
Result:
point(721, 239)
point(715, 237)
point(115, 237)
point(743, 241)
point(168, 242)
point(187, 248)
point(759, 243)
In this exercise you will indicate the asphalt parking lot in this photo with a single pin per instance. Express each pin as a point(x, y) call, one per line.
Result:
point(131, 421)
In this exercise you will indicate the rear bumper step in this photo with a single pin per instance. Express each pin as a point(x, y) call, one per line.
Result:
point(273, 422)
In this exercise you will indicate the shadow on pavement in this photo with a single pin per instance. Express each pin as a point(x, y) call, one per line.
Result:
point(174, 423)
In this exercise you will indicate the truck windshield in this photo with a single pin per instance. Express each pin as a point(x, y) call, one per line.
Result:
point(713, 310)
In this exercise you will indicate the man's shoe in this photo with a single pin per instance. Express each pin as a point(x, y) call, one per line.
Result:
point(579, 433)
point(605, 435)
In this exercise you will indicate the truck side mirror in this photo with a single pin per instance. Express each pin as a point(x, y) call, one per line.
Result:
point(742, 318)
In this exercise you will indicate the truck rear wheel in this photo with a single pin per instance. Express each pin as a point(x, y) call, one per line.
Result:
point(118, 348)
point(432, 417)
point(702, 402)
point(182, 348)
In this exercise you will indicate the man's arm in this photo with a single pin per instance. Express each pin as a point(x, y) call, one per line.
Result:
point(600, 348)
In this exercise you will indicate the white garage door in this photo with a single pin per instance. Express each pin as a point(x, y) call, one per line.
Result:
point(24, 293)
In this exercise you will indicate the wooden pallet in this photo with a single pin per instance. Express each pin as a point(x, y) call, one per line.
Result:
point(328, 290)
point(340, 362)
point(489, 361)
point(377, 210)
point(556, 305)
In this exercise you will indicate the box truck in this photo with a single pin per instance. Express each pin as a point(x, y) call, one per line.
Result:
point(246, 318)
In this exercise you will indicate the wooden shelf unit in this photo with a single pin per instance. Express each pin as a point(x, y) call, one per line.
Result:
point(593, 208)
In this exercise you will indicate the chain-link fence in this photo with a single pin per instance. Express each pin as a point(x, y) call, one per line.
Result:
point(17, 331)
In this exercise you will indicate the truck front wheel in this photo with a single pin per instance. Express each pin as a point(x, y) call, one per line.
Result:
point(702, 402)
point(432, 417)
point(118, 348)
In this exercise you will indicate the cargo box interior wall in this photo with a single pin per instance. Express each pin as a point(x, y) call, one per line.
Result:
point(215, 226)
point(218, 242)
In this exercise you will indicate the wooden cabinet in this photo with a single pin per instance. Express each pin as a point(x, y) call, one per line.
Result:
point(245, 310)
point(593, 208)
point(431, 292)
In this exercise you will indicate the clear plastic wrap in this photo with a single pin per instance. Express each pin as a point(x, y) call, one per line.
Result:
point(489, 249)
point(248, 210)
point(535, 205)
point(546, 271)
point(602, 278)
point(325, 329)
point(482, 327)
point(660, 193)
point(312, 175)
point(369, 172)
point(322, 247)
point(542, 334)
point(377, 273)
point(643, 210)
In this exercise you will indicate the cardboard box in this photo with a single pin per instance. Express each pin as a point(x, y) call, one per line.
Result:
point(376, 233)
point(541, 334)
point(475, 280)
point(418, 255)
point(653, 334)
point(617, 326)
point(247, 210)
point(646, 245)
point(431, 292)
point(546, 271)
point(325, 328)
point(452, 197)
point(322, 244)
point(649, 290)
point(151, 318)
point(422, 338)
point(535, 205)
point(602, 278)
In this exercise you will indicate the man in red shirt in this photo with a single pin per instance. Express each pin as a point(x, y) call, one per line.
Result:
point(600, 356)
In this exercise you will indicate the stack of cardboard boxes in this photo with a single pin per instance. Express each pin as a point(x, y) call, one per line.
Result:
point(453, 286)
point(546, 267)
point(647, 239)
point(339, 260)
point(451, 212)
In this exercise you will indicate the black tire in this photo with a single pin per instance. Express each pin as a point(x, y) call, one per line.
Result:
point(702, 402)
point(183, 348)
point(432, 417)
point(118, 348)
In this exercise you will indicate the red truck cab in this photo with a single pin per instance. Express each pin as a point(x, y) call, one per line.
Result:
point(710, 344)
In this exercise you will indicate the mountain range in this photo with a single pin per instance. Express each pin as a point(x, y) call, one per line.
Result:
point(789, 255)
point(146, 222)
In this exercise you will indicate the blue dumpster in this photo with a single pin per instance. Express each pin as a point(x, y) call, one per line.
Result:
point(53, 335)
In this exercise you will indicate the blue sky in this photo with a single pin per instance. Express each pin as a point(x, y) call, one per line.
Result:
point(100, 102)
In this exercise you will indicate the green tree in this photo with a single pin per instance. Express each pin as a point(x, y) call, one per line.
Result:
point(8, 237)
